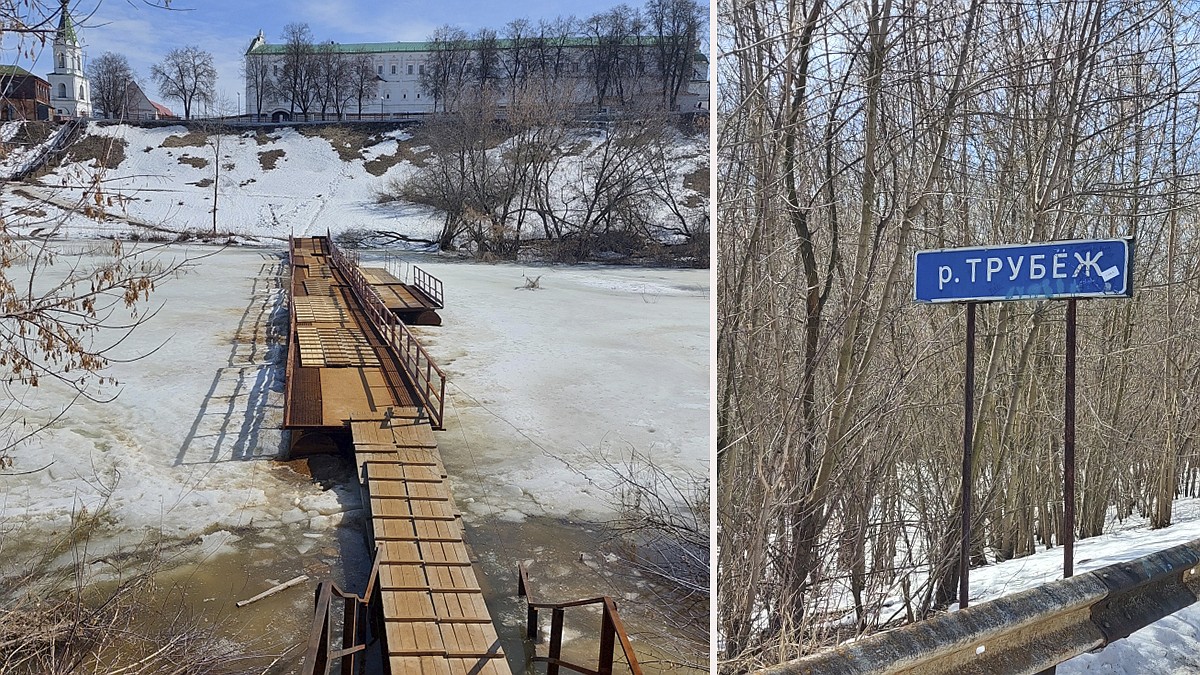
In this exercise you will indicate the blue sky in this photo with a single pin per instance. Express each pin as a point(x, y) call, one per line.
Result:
point(225, 27)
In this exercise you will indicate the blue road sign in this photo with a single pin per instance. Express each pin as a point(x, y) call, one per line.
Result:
point(1098, 268)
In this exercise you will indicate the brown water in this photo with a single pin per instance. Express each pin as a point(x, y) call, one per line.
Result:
point(565, 561)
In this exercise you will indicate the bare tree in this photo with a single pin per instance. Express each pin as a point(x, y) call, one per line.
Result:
point(363, 81)
point(188, 75)
point(259, 80)
point(485, 63)
point(448, 65)
point(675, 25)
point(334, 80)
point(111, 79)
point(300, 69)
point(849, 137)
point(515, 58)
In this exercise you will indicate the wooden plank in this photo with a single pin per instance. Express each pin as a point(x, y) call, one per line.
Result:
point(407, 606)
point(447, 579)
point(414, 436)
point(430, 491)
point(402, 576)
point(370, 431)
point(460, 607)
point(471, 640)
point(395, 530)
point(420, 510)
point(444, 553)
point(414, 638)
point(484, 666)
point(406, 472)
point(419, 665)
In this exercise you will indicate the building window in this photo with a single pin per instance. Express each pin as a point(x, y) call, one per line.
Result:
point(410, 69)
point(422, 69)
point(393, 69)
point(62, 90)
point(62, 61)
point(81, 96)
point(275, 69)
point(380, 69)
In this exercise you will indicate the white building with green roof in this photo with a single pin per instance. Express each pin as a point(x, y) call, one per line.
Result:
point(70, 92)
point(401, 72)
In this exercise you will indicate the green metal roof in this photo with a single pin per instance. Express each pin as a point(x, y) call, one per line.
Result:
point(13, 71)
point(384, 47)
point(66, 27)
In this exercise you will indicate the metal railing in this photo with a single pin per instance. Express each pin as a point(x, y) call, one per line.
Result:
point(430, 285)
point(287, 373)
point(427, 378)
point(612, 632)
point(1027, 632)
point(322, 653)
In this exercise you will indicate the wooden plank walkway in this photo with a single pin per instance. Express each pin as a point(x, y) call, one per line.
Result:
point(341, 375)
point(340, 369)
point(435, 618)
point(410, 302)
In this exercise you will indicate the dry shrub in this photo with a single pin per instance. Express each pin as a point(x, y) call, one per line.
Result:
point(60, 621)
point(696, 181)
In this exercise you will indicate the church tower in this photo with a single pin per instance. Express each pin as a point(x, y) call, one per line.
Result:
point(70, 93)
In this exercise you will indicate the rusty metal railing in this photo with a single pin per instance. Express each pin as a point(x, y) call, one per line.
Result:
point(287, 378)
point(612, 632)
point(430, 285)
point(427, 378)
point(1027, 632)
point(357, 610)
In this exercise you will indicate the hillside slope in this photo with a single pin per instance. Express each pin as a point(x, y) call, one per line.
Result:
point(132, 181)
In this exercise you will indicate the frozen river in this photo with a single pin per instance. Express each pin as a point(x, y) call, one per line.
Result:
point(547, 387)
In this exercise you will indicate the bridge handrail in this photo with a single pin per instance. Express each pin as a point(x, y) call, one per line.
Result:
point(287, 379)
point(356, 611)
point(430, 285)
point(1026, 632)
point(429, 379)
point(612, 631)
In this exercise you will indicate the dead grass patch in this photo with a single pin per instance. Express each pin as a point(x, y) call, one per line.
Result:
point(203, 182)
point(197, 162)
point(105, 152)
point(268, 158)
point(346, 141)
point(192, 139)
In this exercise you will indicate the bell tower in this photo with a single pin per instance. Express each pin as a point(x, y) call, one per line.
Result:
point(70, 93)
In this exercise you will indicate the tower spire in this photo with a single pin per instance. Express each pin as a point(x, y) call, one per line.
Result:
point(66, 27)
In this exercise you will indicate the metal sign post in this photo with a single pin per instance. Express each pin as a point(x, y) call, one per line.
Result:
point(964, 552)
point(1069, 448)
point(1100, 268)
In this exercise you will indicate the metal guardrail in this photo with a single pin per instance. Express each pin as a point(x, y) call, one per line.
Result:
point(430, 285)
point(322, 652)
point(612, 632)
point(287, 377)
point(1027, 632)
point(427, 377)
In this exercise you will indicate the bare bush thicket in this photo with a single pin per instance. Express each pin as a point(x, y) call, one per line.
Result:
point(538, 176)
point(102, 615)
point(851, 135)
point(663, 533)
